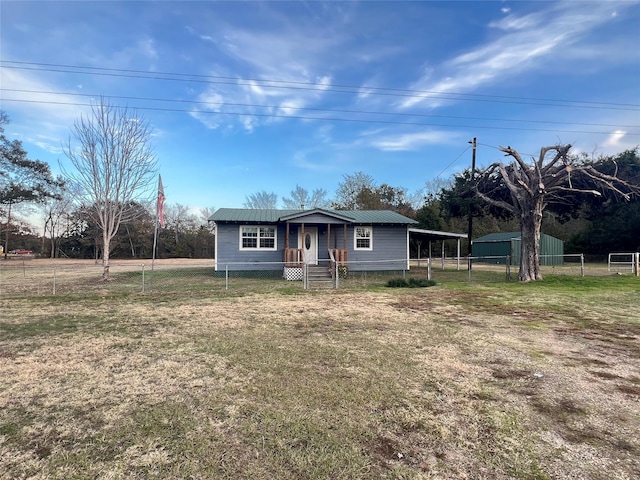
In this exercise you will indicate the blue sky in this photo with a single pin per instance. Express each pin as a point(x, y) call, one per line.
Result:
point(252, 96)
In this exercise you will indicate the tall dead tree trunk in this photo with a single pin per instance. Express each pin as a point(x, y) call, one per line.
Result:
point(530, 187)
point(530, 223)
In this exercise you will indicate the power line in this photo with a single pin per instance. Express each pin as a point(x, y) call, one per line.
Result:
point(454, 161)
point(296, 85)
point(329, 119)
point(315, 109)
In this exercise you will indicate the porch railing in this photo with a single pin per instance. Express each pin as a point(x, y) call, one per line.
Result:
point(293, 257)
point(337, 257)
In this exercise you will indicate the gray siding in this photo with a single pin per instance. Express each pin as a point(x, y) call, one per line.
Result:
point(228, 250)
point(389, 248)
point(389, 252)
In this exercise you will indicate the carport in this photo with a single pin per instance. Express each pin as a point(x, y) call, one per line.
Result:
point(428, 236)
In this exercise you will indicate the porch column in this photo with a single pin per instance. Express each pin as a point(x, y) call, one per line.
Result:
point(458, 259)
point(442, 254)
point(286, 239)
point(344, 236)
point(302, 246)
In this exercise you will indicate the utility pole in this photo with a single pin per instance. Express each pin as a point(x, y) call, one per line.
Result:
point(473, 175)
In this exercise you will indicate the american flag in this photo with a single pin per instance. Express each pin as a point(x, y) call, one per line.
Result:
point(160, 206)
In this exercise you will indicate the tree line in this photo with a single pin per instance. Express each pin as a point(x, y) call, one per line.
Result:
point(104, 205)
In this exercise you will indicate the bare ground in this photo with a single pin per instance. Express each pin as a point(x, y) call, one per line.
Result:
point(427, 384)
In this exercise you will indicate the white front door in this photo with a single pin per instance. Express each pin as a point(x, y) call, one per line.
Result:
point(309, 244)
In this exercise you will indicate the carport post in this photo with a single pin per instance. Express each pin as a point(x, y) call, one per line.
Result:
point(443, 254)
point(458, 258)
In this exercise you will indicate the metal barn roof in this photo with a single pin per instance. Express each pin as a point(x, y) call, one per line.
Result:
point(498, 237)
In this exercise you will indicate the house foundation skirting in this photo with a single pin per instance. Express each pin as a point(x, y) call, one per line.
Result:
point(293, 273)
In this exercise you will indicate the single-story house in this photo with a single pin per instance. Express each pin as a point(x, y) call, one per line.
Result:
point(499, 245)
point(265, 239)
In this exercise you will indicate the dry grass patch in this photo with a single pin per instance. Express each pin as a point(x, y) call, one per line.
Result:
point(443, 383)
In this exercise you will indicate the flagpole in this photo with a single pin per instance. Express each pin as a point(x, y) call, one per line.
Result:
point(159, 219)
point(153, 255)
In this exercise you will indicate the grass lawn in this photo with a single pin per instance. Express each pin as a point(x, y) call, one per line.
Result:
point(497, 381)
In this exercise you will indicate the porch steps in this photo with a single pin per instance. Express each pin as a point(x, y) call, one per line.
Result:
point(319, 277)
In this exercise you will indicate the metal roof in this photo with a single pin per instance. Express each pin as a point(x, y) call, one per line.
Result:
point(420, 232)
point(301, 215)
point(249, 215)
point(505, 237)
point(275, 216)
point(499, 237)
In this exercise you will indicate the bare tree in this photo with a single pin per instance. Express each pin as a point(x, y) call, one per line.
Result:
point(205, 214)
point(114, 166)
point(261, 200)
point(300, 196)
point(179, 218)
point(54, 212)
point(531, 187)
point(350, 188)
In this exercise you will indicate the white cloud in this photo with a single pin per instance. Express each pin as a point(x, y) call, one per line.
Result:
point(286, 62)
point(291, 107)
point(146, 46)
point(615, 139)
point(410, 141)
point(526, 45)
point(45, 118)
point(323, 134)
point(514, 22)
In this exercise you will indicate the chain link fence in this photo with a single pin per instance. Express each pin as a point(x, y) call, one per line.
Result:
point(28, 278)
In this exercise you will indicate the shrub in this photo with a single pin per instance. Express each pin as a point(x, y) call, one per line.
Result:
point(412, 283)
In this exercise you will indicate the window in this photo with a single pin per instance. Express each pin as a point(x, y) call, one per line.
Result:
point(258, 238)
point(363, 238)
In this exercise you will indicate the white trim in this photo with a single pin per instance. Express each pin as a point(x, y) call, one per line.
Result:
point(355, 238)
point(408, 250)
point(215, 246)
point(258, 247)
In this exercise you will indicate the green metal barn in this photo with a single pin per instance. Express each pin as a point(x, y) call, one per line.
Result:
point(508, 243)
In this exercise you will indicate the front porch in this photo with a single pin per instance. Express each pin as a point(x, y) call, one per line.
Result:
point(327, 255)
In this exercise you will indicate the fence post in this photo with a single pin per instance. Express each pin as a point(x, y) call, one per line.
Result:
point(143, 278)
point(337, 266)
point(582, 264)
point(429, 269)
point(304, 276)
point(508, 262)
point(469, 261)
point(637, 264)
point(226, 276)
point(54, 281)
